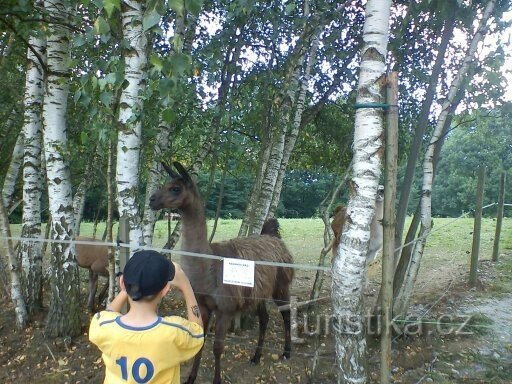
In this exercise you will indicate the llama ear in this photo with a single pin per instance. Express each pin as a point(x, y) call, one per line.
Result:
point(169, 171)
point(182, 171)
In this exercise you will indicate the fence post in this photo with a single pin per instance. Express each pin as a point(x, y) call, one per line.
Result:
point(123, 237)
point(391, 156)
point(499, 218)
point(475, 251)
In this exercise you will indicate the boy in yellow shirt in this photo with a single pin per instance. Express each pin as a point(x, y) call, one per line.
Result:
point(140, 346)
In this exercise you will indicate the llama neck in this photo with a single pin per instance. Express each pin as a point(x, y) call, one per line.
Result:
point(194, 231)
point(194, 239)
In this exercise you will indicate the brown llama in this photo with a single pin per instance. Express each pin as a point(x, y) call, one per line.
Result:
point(205, 275)
point(95, 259)
point(376, 230)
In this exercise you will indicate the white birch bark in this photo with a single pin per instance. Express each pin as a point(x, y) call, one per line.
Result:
point(349, 262)
point(31, 252)
point(249, 211)
point(64, 313)
point(7, 129)
point(9, 185)
point(130, 127)
point(291, 137)
point(404, 296)
point(182, 44)
point(16, 292)
point(155, 178)
point(283, 107)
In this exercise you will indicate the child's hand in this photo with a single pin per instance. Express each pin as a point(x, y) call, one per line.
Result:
point(180, 280)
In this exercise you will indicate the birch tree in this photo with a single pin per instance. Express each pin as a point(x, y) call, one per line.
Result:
point(129, 123)
point(64, 312)
point(349, 264)
point(281, 131)
point(404, 295)
point(9, 184)
point(31, 252)
point(20, 308)
point(291, 137)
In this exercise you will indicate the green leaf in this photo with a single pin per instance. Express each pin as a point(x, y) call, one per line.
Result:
point(194, 6)
point(101, 26)
point(290, 7)
point(77, 95)
point(180, 63)
point(102, 82)
point(168, 115)
point(151, 19)
point(106, 98)
point(177, 6)
point(165, 86)
point(78, 41)
point(156, 62)
point(111, 78)
point(111, 5)
point(84, 138)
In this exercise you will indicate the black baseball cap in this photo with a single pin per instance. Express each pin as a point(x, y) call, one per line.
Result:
point(146, 273)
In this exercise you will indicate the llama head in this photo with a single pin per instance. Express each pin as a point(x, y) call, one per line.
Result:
point(179, 193)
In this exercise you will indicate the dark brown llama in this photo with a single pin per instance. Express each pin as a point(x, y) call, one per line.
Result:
point(205, 275)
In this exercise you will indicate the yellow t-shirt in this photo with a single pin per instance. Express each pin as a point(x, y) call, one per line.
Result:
point(150, 354)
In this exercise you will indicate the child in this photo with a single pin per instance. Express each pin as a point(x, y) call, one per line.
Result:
point(140, 346)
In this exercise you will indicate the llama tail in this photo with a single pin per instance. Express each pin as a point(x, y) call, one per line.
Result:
point(271, 228)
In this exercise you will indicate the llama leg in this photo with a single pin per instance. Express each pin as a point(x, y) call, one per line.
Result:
point(263, 320)
point(221, 326)
point(93, 286)
point(205, 314)
point(283, 299)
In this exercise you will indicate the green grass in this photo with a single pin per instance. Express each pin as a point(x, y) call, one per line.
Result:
point(449, 242)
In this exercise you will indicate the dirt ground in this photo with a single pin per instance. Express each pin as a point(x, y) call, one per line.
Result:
point(482, 353)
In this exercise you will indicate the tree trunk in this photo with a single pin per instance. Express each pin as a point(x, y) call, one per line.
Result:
point(406, 253)
point(283, 105)
point(64, 313)
point(16, 295)
point(404, 296)
point(9, 185)
point(499, 217)
point(419, 134)
point(31, 252)
point(291, 137)
point(110, 218)
point(130, 116)
point(155, 178)
point(219, 202)
point(349, 263)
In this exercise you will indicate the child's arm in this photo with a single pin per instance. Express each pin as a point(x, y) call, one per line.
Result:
point(182, 282)
point(117, 304)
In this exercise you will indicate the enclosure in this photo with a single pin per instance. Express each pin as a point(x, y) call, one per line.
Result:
point(175, 124)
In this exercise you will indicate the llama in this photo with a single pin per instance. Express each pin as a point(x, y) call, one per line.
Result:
point(95, 259)
point(206, 274)
point(376, 231)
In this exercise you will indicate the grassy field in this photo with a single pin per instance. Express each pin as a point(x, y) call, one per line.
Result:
point(304, 237)
point(449, 241)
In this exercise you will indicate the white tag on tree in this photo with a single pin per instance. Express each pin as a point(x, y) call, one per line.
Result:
point(239, 272)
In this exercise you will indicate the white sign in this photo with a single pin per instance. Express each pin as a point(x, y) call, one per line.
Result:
point(239, 272)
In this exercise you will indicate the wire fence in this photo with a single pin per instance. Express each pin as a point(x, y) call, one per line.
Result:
point(244, 341)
